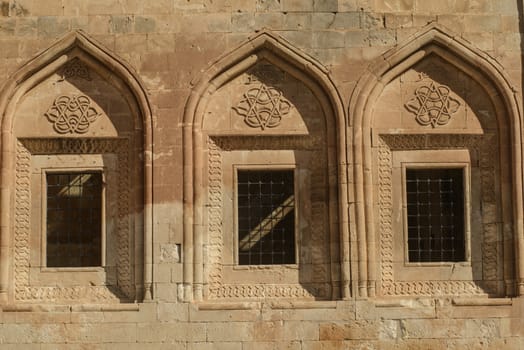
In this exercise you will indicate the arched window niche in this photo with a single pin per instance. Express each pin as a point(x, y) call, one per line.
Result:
point(438, 173)
point(76, 204)
point(263, 142)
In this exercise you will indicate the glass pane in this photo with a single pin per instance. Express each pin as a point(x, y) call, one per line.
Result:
point(435, 209)
point(74, 219)
point(266, 217)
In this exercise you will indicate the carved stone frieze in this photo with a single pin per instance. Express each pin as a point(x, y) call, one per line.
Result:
point(231, 291)
point(72, 114)
point(214, 212)
point(485, 144)
point(263, 107)
point(24, 291)
point(228, 143)
point(432, 104)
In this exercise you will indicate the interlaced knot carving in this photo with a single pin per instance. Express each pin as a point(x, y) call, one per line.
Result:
point(75, 68)
point(432, 105)
point(263, 107)
point(72, 114)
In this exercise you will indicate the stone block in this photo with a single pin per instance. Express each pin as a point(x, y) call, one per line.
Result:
point(7, 26)
point(173, 312)
point(325, 5)
point(230, 331)
point(169, 332)
point(301, 330)
point(46, 8)
point(268, 5)
point(482, 23)
point(100, 333)
point(297, 21)
point(297, 5)
point(346, 21)
point(218, 22)
point(322, 20)
point(159, 7)
point(268, 331)
point(269, 20)
point(382, 38)
point(394, 5)
point(394, 21)
point(26, 27)
point(144, 24)
point(75, 8)
point(49, 26)
point(348, 5)
point(356, 330)
point(242, 22)
point(101, 7)
point(437, 328)
point(121, 24)
point(356, 39)
point(99, 24)
point(454, 22)
point(328, 39)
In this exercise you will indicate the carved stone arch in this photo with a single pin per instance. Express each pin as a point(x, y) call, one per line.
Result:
point(277, 52)
point(76, 48)
point(432, 41)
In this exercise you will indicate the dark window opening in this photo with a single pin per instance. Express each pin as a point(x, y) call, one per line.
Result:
point(74, 219)
point(266, 217)
point(435, 210)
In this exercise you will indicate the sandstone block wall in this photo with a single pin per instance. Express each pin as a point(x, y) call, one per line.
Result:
point(168, 45)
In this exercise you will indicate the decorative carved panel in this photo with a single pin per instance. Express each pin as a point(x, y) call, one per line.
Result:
point(72, 114)
point(318, 287)
point(491, 240)
point(432, 105)
point(263, 107)
point(24, 291)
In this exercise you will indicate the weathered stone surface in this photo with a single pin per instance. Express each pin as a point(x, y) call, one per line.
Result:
point(176, 81)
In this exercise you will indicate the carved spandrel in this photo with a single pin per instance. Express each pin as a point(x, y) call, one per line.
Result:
point(432, 104)
point(75, 69)
point(263, 107)
point(72, 114)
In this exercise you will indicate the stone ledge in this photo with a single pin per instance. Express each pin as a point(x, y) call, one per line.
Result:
point(482, 301)
point(71, 308)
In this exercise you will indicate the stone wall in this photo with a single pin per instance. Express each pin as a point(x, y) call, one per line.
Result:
point(172, 47)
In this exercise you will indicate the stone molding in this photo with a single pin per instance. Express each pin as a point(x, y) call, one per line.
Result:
point(216, 288)
point(488, 147)
point(24, 290)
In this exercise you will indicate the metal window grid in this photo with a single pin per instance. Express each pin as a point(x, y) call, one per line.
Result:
point(266, 217)
point(74, 219)
point(435, 211)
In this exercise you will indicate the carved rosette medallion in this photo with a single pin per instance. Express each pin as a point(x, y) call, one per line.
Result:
point(75, 69)
point(72, 114)
point(432, 105)
point(263, 107)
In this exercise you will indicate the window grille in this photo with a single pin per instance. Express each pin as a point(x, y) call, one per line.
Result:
point(266, 217)
point(74, 219)
point(435, 211)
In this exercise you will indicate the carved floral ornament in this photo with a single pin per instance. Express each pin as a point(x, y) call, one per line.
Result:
point(263, 107)
point(72, 114)
point(432, 105)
